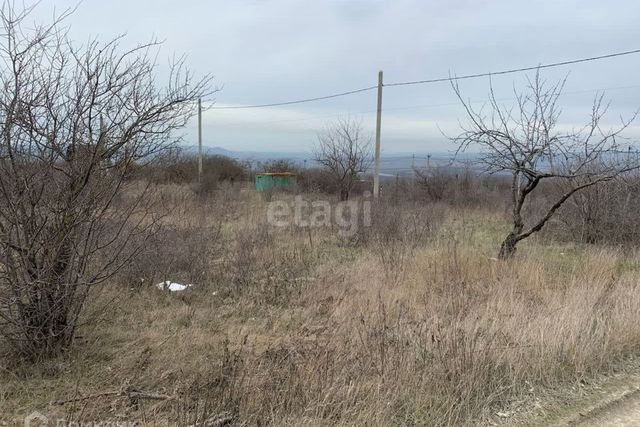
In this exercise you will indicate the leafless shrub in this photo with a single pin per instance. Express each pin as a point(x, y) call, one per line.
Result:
point(397, 231)
point(453, 186)
point(260, 268)
point(436, 182)
point(176, 167)
point(315, 180)
point(242, 265)
point(74, 121)
point(176, 253)
point(278, 166)
point(214, 399)
point(603, 214)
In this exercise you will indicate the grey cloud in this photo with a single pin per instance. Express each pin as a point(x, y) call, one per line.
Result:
point(265, 51)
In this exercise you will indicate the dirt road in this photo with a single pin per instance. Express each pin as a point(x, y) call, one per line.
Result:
point(621, 413)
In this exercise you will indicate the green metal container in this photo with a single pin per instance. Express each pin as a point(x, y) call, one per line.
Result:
point(271, 181)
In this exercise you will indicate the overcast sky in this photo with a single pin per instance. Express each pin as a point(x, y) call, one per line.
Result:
point(272, 51)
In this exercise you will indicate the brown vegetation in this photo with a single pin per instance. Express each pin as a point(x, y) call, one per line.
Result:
point(411, 323)
point(408, 320)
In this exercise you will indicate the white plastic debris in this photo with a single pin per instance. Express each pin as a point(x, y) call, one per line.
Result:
point(168, 285)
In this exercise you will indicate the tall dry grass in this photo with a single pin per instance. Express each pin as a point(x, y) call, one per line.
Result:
point(298, 327)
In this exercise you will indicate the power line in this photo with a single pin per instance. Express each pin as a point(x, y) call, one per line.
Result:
point(516, 70)
point(441, 79)
point(444, 104)
point(300, 101)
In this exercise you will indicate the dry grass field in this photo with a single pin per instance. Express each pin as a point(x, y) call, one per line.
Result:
point(409, 322)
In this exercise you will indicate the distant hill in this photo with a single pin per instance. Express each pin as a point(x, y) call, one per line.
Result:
point(219, 151)
point(212, 151)
point(391, 164)
point(249, 155)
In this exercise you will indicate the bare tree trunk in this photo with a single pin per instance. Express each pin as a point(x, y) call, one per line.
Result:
point(508, 246)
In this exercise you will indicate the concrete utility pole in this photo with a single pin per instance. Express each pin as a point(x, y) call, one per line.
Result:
point(376, 172)
point(199, 140)
point(413, 169)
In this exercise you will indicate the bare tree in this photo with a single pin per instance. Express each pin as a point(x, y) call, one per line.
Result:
point(344, 151)
point(525, 142)
point(73, 123)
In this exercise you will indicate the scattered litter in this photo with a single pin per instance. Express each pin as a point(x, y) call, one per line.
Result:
point(493, 259)
point(168, 285)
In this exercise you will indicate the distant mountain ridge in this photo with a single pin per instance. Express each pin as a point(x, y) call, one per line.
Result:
point(301, 155)
point(391, 164)
point(249, 155)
